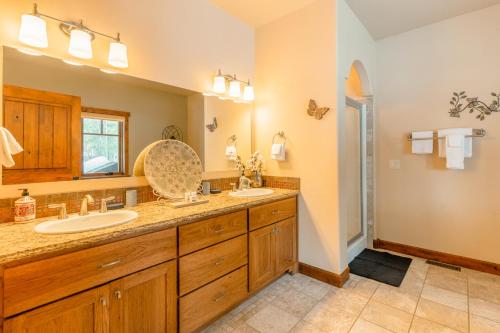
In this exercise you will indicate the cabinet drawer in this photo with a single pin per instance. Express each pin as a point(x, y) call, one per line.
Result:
point(199, 235)
point(199, 268)
point(205, 304)
point(40, 282)
point(273, 212)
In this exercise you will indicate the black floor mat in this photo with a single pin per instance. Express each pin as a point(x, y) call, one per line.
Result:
point(381, 266)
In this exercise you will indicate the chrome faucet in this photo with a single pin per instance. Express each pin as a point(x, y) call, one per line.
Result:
point(104, 204)
point(244, 183)
point(63, 214)
point(84, 206)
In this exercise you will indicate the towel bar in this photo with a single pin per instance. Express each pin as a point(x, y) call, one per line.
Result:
point(476, 133)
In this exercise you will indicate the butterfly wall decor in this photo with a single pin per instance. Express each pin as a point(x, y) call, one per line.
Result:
point(314, 111)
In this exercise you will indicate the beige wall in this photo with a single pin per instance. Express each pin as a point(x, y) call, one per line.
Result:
point(151, 109)
point(180, 43)
point(296, 61)
point(423, 204)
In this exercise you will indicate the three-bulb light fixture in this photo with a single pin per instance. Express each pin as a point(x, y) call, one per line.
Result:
point(33, 32)
point(228, 87)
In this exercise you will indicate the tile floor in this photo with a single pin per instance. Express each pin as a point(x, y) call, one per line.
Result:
point(430, 299)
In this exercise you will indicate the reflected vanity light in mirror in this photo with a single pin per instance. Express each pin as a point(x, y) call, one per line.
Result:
point(248, 93)
point(118, 55)
point(33, 31)
point(72, 62)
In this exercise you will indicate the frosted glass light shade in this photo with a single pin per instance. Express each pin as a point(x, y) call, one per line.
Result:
point(33, 31)
point(248, 93)
point(219, 85)
point(80, 44)
point(234, 89)
point(118, 55)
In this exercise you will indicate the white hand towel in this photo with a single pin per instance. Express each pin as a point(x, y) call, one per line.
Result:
point(422, 146)
point(8, 147)
point(467, 142)
point(455, 151)
point(231, 153)
point(278, 151)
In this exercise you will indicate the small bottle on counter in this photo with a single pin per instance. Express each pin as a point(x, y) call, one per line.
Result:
point(25, 207)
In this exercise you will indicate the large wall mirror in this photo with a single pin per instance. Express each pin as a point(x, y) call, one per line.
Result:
point(77, 122)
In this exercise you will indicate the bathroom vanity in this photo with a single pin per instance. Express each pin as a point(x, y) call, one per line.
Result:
point(171, 270)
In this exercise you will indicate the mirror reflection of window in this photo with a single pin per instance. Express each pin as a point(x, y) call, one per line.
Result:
point(104, 144)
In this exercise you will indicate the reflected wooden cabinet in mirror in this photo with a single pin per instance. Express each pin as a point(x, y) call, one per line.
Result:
point(47, 126)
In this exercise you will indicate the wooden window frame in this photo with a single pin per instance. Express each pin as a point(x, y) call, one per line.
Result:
point(124, 143)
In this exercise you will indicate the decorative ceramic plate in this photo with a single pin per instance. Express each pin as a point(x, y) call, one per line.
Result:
point(172, 168)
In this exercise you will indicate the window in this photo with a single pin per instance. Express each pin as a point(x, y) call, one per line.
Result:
point(104, 142)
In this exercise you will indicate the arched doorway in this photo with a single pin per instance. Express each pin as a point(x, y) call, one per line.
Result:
point(359, 160)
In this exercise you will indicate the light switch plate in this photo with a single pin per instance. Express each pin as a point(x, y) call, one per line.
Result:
point(395, 164)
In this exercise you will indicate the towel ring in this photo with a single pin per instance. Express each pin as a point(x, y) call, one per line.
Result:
point(279, 137)
point(231, 141)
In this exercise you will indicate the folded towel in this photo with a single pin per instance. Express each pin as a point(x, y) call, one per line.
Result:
point(455, 151)
point(231, 153)
point(278, 151)
point(8, 147)
point(422, 146)
point(467, 143)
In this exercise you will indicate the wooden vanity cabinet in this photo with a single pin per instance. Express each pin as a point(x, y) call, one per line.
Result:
point(143, 302)
point(272, 242)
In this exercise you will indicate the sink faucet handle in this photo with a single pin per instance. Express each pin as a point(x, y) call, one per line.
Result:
point(104, 203)
point(63, 214)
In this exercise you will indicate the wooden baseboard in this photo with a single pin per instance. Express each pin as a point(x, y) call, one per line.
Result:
point(478, 265)
point(336, 280)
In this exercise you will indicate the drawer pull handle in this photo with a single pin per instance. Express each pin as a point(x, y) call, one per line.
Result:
point(103, 301)
point(219, 298)
point(218, 229)
point(275, 212)
point(118, 294)
point(110, 264)
point(218, 262)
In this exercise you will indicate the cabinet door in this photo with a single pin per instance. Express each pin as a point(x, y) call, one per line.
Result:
point(145, 302)
point(47, 126)
point(82, 313)
point(285, 245)
point(262, 261)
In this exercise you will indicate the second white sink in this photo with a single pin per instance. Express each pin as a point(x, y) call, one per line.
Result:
point(252, 192)
point(93, 221)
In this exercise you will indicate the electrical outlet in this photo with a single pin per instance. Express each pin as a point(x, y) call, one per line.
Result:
point(395, 164)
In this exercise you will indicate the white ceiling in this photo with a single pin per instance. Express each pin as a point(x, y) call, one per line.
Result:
point(385, 18)
point(259, 12)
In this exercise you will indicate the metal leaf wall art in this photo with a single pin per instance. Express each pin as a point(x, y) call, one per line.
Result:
point(460, 102)
point(314, 111)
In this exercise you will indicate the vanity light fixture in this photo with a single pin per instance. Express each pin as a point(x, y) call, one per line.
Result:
point(80, 44)
point(33, 32)
point(219, 85)
point(222, 81)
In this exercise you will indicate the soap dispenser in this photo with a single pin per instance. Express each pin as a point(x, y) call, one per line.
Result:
point(25, 207)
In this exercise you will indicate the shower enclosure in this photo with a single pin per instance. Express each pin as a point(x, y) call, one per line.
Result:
point(355, 173)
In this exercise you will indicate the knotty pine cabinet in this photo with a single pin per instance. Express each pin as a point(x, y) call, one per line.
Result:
point(141, 302)
point(47, 126)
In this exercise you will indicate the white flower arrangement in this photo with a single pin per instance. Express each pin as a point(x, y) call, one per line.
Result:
point(256, 162)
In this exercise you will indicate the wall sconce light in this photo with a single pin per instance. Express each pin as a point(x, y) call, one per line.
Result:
point(222, 81)
point(33, 32)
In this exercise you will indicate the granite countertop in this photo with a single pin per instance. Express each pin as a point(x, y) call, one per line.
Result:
point(19, 243)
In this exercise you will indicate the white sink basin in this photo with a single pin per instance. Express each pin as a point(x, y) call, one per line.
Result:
point(252, 192)
point(93, 221)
